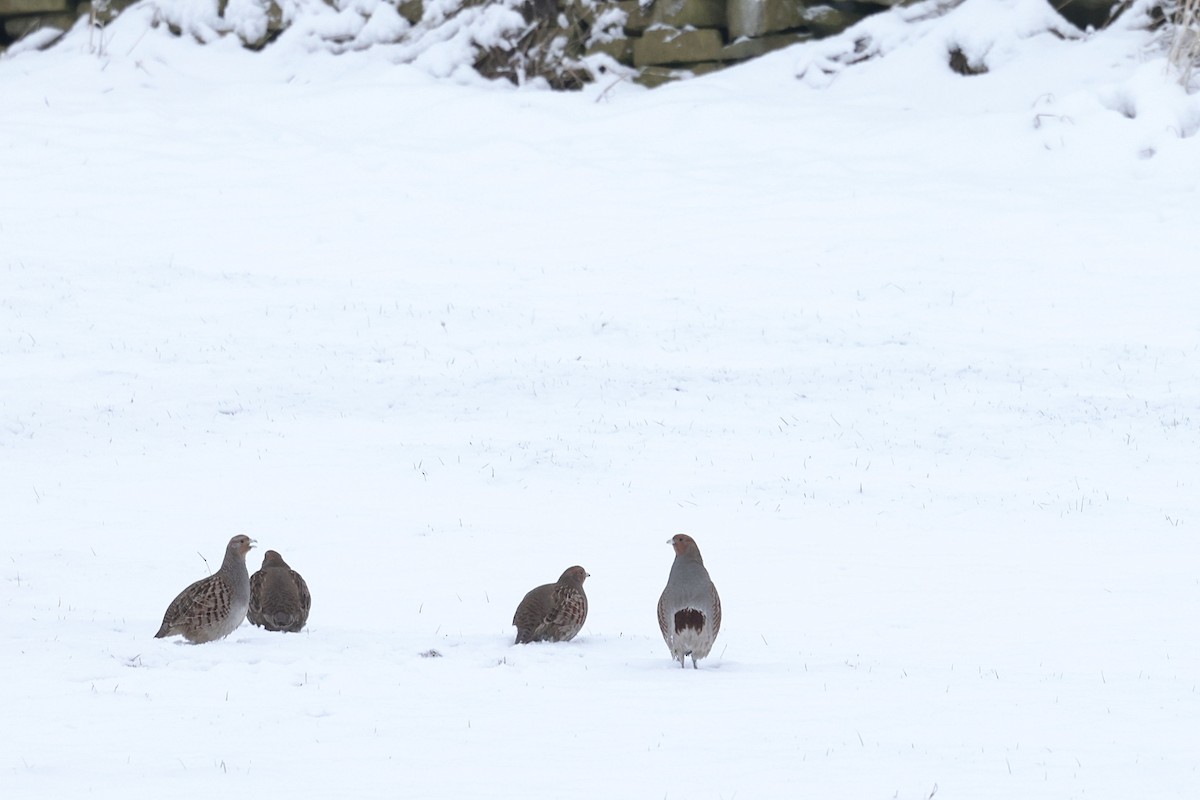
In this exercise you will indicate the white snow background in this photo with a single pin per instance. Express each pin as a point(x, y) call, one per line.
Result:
point(912, 355)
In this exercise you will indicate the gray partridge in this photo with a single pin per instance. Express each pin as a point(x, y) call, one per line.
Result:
point(553, 612)
point(279, 598)
point(689, 610)
point(212, 607)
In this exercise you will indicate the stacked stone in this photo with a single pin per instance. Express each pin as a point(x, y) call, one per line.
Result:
point(661, 39)
point(20, 18)
point(668, 39)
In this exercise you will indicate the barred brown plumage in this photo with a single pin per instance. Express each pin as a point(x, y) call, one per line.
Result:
point(553, 612)
point(212, 607)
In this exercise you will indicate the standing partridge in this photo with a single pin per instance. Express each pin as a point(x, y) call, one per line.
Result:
point(689, 610)
point(553, 612)
point(212, 607)
point(279, 598)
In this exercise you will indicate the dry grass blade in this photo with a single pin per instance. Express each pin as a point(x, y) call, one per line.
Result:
point(1185, 39)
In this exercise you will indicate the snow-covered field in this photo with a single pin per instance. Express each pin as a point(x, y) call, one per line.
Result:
point(913, 356)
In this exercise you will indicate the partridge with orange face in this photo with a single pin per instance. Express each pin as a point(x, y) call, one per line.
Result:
point(689, 610)
point(553, 612)
point(212, 607)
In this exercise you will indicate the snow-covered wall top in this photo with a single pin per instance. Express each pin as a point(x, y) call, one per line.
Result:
point(561, 43)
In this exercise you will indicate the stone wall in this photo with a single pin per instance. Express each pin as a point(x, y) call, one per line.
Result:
point(668, 39)
point(661, 39)
point(50, 18)
point(657, 40)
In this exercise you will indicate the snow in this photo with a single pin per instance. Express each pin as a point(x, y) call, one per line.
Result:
point(912, 355)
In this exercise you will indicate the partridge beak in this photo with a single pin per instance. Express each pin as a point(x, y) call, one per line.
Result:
point(252, 543)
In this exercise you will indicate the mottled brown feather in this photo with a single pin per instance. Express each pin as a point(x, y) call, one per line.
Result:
point(212, 607)
point(279, 596)
point(553, 612)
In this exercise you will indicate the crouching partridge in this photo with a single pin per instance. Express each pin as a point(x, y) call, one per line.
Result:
point(553, 612)
point(279, 598)
point(689, 610)
point(212, 607)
